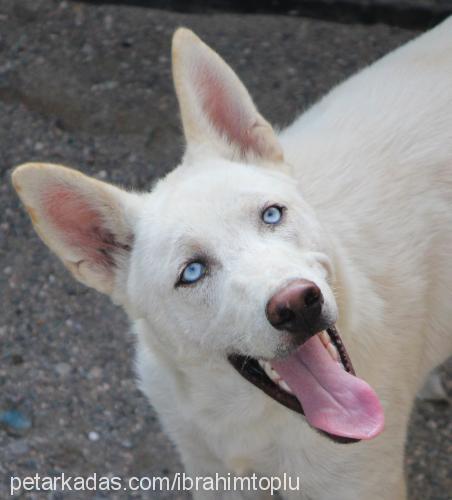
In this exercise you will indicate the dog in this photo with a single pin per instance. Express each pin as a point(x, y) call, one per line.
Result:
point(289, 292)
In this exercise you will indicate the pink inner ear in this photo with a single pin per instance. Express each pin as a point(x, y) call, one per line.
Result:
point(79, 225)
point(224, 109)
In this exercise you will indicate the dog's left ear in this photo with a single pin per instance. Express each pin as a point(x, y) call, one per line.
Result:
point(215, 106)
point(89, 224)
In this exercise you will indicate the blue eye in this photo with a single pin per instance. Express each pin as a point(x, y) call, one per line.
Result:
point(272, 215)
point(193, 272)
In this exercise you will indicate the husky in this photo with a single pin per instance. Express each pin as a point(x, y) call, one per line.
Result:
point(289, 292)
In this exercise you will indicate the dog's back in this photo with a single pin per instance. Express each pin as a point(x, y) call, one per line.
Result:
point(374, 158)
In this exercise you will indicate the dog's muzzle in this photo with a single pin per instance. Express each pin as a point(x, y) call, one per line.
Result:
point(297, 308)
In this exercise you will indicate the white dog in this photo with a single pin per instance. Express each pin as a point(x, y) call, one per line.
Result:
point(242, 265)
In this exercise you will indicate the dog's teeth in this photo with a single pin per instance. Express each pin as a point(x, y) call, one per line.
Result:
point(274, 376)
point(270, 372)
point(333, 351)
point(283, 384)
point(325, 338)
point(264, 364)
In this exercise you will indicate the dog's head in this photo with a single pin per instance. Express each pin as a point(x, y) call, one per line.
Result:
point(224, 257)
point(236, 236)
point(228, 258)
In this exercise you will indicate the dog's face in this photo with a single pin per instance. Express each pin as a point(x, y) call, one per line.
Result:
point(228, 237)
point(223, 258)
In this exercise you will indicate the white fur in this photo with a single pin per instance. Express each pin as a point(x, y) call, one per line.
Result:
point(369, 220)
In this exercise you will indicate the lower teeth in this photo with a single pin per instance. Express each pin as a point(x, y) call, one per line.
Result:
point(274, 376)
point(283, 385)
point(333, 352)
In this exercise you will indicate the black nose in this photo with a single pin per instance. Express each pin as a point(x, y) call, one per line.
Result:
point(297, 308)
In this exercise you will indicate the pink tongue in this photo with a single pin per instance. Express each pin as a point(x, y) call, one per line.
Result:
point(333, 400)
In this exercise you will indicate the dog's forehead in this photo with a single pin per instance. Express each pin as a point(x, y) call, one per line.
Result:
point(223, 185)
point(195, 205)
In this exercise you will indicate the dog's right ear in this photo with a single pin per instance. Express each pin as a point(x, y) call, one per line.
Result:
point(89, 224)
point(215, 106)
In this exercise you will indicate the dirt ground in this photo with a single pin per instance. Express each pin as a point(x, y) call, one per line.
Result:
point(90, 87)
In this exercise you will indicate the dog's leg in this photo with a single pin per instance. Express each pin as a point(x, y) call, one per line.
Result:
point(433, 389)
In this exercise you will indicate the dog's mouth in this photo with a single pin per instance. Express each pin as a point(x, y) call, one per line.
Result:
point(318, 381)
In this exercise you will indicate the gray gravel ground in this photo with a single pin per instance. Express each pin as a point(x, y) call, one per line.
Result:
point(90, 87)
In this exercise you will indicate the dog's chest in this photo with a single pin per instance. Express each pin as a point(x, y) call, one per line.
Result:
point(231, 417)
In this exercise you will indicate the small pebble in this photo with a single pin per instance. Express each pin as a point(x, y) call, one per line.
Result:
point(126, 443)
point(431, 424)
point(102, 174)
point(63, 369)
point(95, 373)
point(93, 436)
point(108, 22)
point(15, 422)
